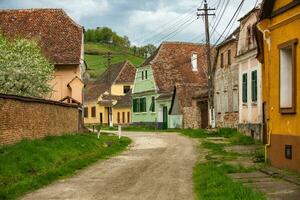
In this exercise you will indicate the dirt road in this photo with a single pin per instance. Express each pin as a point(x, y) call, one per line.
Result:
point(157, 166)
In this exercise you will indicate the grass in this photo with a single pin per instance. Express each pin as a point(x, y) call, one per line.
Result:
point(96, 57)
point(212, 183)
point(29, 165)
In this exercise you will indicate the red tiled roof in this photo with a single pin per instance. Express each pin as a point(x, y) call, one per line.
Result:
point(171, 64)
point(58, 35)
point(123, 72)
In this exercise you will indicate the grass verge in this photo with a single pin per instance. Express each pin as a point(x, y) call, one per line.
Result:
point(211, 181)
point(29, 165)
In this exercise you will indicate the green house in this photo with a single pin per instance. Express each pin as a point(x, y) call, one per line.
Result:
point(166, 87)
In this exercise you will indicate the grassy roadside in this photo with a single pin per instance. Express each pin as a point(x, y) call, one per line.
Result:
point(211, 181)
point(29, 165)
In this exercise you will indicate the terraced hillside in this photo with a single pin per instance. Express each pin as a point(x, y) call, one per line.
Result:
point(96, 57)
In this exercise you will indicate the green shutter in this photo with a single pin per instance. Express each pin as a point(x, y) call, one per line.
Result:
point(254, 85)
point(143, 105)
point(152, 106)
point(134, 104)
point(245, 95)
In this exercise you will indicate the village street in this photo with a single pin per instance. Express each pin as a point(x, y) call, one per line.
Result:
point(156, 166)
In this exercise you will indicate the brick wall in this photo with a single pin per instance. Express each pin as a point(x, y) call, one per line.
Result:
point(23, 117)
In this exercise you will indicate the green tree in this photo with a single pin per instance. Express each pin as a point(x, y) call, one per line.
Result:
point(23, 69)
point(150, 48)
point(126, 41)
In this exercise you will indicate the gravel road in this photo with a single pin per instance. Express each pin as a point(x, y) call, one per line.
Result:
point(156, 166)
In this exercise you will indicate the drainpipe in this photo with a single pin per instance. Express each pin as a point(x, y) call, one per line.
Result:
point(268, 144)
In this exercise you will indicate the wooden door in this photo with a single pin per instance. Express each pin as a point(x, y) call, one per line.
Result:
point(204, 114)
point(165, 117)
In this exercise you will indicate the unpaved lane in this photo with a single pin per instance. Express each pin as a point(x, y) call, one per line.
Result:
point(157, 166)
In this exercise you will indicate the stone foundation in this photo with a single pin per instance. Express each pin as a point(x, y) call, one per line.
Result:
point(252, 130)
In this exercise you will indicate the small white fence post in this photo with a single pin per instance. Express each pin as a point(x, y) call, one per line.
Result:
point(119, 131)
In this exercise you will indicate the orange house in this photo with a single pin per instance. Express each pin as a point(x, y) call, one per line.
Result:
point(61, 41)
point(279, 51)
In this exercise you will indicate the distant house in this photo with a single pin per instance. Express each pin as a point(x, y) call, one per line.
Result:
point(250, 99)
point(166, 85)
point(110, 93)
point(279, 53)
point(226, 83)
point(61, 41)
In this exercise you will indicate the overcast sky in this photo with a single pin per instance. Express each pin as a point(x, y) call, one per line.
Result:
point(143, 21)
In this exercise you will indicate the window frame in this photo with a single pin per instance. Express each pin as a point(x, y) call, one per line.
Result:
point(222, 60)
point(293, 44)
point(229, 57)
point(128, 117)
point(152, 106)
point(93, 111)
point(123, 117)
point(86, 112)
point(118, 117)
point(127, 88)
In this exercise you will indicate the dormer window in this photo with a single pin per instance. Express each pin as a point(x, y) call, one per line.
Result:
point(194, 62)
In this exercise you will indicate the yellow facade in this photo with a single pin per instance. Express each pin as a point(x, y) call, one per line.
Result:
point(67, 82)
point(119, 115)
point(282, 129)
point(123, 113)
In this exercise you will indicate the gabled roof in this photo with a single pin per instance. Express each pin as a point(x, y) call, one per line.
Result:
point(268, 5)
point(267, 8)
point(58, 35)
point(123, 72)
point(171, 64)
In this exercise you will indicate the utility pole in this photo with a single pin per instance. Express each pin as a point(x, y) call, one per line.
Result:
point(205, 12)
point(109, 57)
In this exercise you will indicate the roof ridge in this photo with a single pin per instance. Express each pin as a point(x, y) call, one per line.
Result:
point(181, 42)
point(43, 9)
point(30, 9)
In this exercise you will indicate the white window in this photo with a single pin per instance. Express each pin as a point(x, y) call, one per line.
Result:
point(287, 77)
point(194, 62)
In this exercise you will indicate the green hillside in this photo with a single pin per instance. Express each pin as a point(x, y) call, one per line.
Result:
point(96, 57)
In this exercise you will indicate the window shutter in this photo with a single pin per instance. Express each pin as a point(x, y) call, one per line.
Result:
point(134, 105)
point(254, 86)
point(245, 96)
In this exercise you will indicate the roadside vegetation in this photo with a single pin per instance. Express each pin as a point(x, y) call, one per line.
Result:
point(31, 164)
point(211, 180)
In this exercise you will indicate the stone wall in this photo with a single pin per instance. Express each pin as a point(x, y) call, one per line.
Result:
point(31, 118)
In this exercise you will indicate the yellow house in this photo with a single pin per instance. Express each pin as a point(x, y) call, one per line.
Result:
point(107, 101)
point(279, 51)
point(61, 42)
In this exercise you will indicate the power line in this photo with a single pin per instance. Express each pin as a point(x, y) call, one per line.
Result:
point(180, 30)
point(171, 25)
point(231, 20)
point(176, 30)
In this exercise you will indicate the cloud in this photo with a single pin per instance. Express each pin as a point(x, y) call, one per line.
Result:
point(139, 19)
